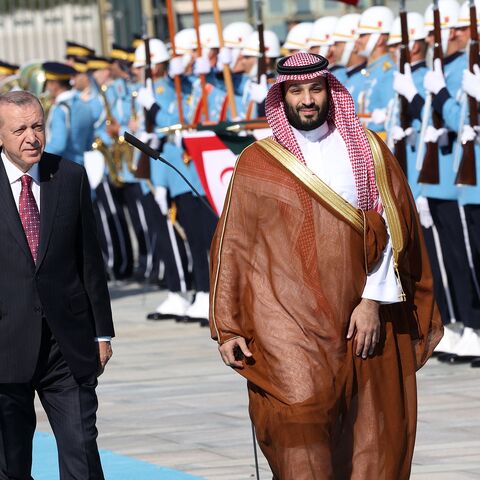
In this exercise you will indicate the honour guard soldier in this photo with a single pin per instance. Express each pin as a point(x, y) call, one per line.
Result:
point(297, 38)
point(69, 126)
point(157, 100)
point(321, 42)
point(410, 86)
point(345, 55)
point(376, 93)
point(444, 86)
point(197, 222)
point(253, 93)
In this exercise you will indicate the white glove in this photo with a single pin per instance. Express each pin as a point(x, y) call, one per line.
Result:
point(379, 115)
point(471, 82)
point(177, 139)
point(161, 199)
point(435, 135)
point(225, 56)
point(434, 80)
point(469, 134)
point(403, 83)
point(258, 91)
point(201, 66)
point(150, 139)
point(176, 67)
point(398, 133)
point(426, 219)
point(145, 95)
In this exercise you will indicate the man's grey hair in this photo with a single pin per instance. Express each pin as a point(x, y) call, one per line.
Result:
point(19, 98)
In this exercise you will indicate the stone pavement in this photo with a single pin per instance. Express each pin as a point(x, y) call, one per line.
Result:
point(167, 399)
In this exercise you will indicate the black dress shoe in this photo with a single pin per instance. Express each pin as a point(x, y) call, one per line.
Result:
point(459, 359)
point(475, 362)
point(187, 319)
point(205, 323)
point(445, 357)
point(160, 316)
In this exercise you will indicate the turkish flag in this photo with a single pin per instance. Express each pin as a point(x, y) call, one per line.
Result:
point(215, 161)
point(350, 2)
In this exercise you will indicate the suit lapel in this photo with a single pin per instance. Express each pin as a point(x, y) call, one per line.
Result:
point(49, 188)
point(9, 212)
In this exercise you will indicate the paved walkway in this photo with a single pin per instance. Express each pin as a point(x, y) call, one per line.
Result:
point(166, 400)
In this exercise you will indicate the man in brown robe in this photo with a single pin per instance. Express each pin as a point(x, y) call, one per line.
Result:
point(321, 289)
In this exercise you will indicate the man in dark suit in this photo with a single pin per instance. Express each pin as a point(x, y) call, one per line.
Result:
point(55, 315)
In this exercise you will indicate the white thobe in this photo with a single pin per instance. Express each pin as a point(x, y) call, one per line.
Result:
point(326, 155)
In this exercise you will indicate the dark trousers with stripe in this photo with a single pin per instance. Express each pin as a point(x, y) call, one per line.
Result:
point(199, 224)
point(130, 195)
point(438, 286)
point(168, 248)
point(472, 215)
point(71, 406)
point(115, 238)
point(466, 302)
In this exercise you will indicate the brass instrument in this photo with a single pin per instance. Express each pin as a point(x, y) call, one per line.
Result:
point(31, 78)
point(12, 82)
point(132, 167)
point(114, 153)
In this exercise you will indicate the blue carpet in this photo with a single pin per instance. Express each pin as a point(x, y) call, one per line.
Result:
point(115, 467)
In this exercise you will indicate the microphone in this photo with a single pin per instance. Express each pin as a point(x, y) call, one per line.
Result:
point(150, 152)
point(143, 147)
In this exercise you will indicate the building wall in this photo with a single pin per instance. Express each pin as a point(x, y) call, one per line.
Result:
point(40, 28)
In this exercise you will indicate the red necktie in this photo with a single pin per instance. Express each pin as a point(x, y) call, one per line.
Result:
point(29, 215)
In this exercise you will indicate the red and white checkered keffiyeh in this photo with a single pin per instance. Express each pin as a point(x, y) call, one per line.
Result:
point(341, 113)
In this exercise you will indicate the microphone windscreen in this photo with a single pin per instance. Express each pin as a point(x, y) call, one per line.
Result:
point(143, 147)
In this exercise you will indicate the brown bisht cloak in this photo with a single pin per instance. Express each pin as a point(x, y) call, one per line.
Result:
point(287, 270)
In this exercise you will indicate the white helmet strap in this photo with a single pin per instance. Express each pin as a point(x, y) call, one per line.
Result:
point(371, 44)
point(347, 53)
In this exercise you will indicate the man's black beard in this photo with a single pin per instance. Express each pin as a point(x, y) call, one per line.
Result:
point(297, 122)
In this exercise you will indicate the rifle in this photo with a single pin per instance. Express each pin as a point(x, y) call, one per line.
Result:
point(143, 166)
point(262, 64)
point(227, 74)
point(177, 79)
point(405, 121)
point(262, 67)
point(430, 168)
point(467, 172)
point(203, 81)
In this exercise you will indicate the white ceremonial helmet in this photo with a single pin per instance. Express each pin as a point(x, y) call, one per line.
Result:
point(158, 53)
point(322, 34)
point(234, 37)
point(185, 41)
point(298, 36)
point(449, 13)
point(375, 21)
point(208, 36)
point(235, 34)
point(252, 45)
point(464, 14)
point(346, 31)
point(415, 26)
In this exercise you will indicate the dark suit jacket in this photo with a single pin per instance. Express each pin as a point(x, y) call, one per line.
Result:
point(67, 286)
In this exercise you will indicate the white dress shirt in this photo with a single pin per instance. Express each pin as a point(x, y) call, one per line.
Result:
point(14, 175)
point(326, 155)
